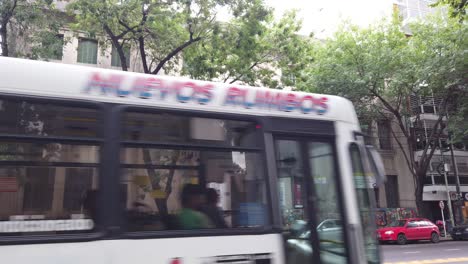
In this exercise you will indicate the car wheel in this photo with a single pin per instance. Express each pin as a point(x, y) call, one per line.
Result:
point(435, 237)
point(401, 239)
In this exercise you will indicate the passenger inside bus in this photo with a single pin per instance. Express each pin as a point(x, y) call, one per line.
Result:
point(212, 210)
point(192, 200)
point(165, 152)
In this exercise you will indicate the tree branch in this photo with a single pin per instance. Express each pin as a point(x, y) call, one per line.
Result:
point(174, 53)
point(435, 134)
point(389, 107)
point(434, 131)
point(141, 40)
point(4, 30)
point(118, 46)
point(241, 75)
point(409, 162)
point(10, 12)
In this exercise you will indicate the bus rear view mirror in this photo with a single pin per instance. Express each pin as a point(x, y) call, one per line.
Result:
point(376, 165)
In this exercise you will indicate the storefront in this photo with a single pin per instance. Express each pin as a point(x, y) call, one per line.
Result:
point(434, 193)
point(465, 207)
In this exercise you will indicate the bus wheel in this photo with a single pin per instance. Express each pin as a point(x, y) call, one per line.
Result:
point(401, 240)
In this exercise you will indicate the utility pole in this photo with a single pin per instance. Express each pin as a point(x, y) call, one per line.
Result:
point(458, 202)
point(449, 200)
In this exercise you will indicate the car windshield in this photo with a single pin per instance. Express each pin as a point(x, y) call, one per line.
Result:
point(398, 223)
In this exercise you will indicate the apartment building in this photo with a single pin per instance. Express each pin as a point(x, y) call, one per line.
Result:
point(425, 111)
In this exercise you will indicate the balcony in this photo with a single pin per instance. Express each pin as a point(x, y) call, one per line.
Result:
point(440, 180)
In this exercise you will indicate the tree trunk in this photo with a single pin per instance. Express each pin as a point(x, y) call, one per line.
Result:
point(122, 57)
point(4, 36)
point(423, 209)
point(118, 46)
point(161, 203)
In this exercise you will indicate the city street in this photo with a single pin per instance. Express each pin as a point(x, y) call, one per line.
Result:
point(446, 252)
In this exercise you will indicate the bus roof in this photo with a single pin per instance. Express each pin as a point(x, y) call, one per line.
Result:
point(55, 80)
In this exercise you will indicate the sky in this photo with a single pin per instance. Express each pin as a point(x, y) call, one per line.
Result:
point(322, 17)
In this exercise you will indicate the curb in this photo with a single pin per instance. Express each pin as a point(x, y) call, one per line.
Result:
point(447, 238)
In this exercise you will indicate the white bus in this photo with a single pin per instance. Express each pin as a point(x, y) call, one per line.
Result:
point(103, 166)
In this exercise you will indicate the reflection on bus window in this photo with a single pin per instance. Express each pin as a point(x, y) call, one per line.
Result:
point(293, 205)
point(46, 119)
point(162, 127)
point(330, 229)
point(363, 192)
point(316, 178)
point(47, 187)
point(154, 179)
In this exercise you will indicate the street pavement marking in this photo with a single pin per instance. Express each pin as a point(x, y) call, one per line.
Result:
point(431, 261)
point(412, 252)
point(452, 249)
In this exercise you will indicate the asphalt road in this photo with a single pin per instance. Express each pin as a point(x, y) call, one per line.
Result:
point(447, 252)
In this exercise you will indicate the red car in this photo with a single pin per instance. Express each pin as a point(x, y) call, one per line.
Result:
point(401, 231)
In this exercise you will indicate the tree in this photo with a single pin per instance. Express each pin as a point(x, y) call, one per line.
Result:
point(160, 30)
point(251, 49)
point(28, 28)
point(379, 68)
point(457, 8)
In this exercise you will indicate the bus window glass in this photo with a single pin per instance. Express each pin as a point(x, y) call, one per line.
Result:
point(322, 165)
point(47, 186)
point(181, 188)
point(290, 182)
point(47, 120)
point(363, 194)
point(292, 201)
point(163, 127)
point(48, 152)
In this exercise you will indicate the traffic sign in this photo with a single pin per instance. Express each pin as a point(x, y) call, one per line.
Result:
point(441, 204)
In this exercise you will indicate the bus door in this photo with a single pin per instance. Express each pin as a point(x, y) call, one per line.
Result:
point(309, 200)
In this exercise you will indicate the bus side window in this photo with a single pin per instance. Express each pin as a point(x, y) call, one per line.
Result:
point(169, 187)
point(48, 183)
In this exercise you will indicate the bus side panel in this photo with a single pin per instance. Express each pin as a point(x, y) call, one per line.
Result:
point(191, 250)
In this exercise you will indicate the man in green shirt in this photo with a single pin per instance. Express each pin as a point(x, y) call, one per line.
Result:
point(192, 200)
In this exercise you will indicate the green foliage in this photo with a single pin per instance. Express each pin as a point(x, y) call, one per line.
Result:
point(439, 45)
point(363, 64)
point(379, 68)
point(457, 8)
point(161, 29)
point(29, 28)
point(381, 63)
point(251, 49)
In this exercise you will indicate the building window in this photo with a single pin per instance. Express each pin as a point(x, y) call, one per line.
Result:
point(391, 191)
point(115, 59)
point(87, 51)
point(366, 128)
point(385, 141)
